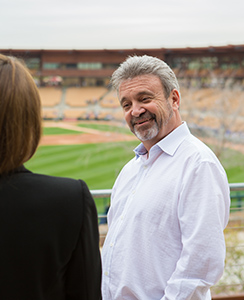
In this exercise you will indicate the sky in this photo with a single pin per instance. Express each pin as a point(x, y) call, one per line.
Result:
point(113, 24)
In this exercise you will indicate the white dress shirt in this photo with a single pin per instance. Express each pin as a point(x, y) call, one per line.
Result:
point(168, 211)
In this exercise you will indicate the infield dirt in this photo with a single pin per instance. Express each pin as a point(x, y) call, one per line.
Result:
point(93, 136)
point(86, 136)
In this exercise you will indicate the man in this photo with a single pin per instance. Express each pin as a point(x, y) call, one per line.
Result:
point(169, 204)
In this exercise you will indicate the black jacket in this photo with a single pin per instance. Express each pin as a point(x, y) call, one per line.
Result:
point(49, 241)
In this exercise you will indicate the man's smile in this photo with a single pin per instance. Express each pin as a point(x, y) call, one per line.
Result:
point(142, 122)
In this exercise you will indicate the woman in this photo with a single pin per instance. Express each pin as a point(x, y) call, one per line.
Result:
point(48, 225)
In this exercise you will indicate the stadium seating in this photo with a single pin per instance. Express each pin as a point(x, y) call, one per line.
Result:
point(75, 114)
point(50, 96)
point(83, 96)
point(118, 115)
point(48, 114)
point(110, 100)
point(207, 107)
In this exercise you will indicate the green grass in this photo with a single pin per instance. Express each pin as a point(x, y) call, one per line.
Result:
point(233, 162)
point(97, 164)
point(57, 130)
point(104, 127)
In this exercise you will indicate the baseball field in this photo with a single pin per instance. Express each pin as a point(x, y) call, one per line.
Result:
point(96, 152)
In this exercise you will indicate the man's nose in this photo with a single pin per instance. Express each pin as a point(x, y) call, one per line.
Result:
point(137, 110)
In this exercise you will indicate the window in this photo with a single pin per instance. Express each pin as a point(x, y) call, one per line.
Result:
point(89, 66)
point(51, 66)
point(33, 63)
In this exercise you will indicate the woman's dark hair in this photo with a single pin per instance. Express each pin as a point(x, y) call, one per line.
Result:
point(20, 114)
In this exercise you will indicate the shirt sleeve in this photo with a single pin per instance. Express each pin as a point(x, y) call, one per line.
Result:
point(84, 271)
point(203, 213)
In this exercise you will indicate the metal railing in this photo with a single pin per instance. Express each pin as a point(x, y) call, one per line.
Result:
point(236, 186)
point(231, 284)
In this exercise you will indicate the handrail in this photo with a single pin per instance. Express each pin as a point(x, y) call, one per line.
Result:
point(236, 186)
point(107, 192)
point(101, 193)
point(230, 297)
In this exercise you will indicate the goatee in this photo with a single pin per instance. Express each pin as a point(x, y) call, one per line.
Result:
point(147, 131)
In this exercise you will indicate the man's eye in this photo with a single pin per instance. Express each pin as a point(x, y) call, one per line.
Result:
point(125, 105)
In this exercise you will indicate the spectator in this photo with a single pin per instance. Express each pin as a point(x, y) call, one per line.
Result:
point(169, 204)
point(48, 225)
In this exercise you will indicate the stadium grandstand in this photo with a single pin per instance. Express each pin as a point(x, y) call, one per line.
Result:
point(74, 84)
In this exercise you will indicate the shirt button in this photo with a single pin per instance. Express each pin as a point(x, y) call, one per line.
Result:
point(145, 167)
point(106, 273)
point(111, 244)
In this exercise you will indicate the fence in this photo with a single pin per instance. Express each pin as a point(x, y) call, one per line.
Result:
point(231, 284)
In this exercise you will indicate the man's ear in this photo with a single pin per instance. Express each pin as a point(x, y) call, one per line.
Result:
point(175, 96)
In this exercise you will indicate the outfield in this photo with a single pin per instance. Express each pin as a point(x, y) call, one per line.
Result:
point(69, 153)
point(96, 163)
point(75, 153)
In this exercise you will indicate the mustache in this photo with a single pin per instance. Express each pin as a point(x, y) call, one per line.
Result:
point(142, 117)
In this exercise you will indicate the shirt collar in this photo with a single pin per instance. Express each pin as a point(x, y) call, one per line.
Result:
point(140, 150)
point(170, 143)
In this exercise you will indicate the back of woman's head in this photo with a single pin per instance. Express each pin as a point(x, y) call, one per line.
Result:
point(20, 114)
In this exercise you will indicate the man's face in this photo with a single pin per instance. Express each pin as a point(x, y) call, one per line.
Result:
point(148, 113)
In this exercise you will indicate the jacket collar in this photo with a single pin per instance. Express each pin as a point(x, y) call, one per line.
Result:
point(18, 170)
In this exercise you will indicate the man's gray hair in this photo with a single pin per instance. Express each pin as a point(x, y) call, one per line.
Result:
point(145, 65)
